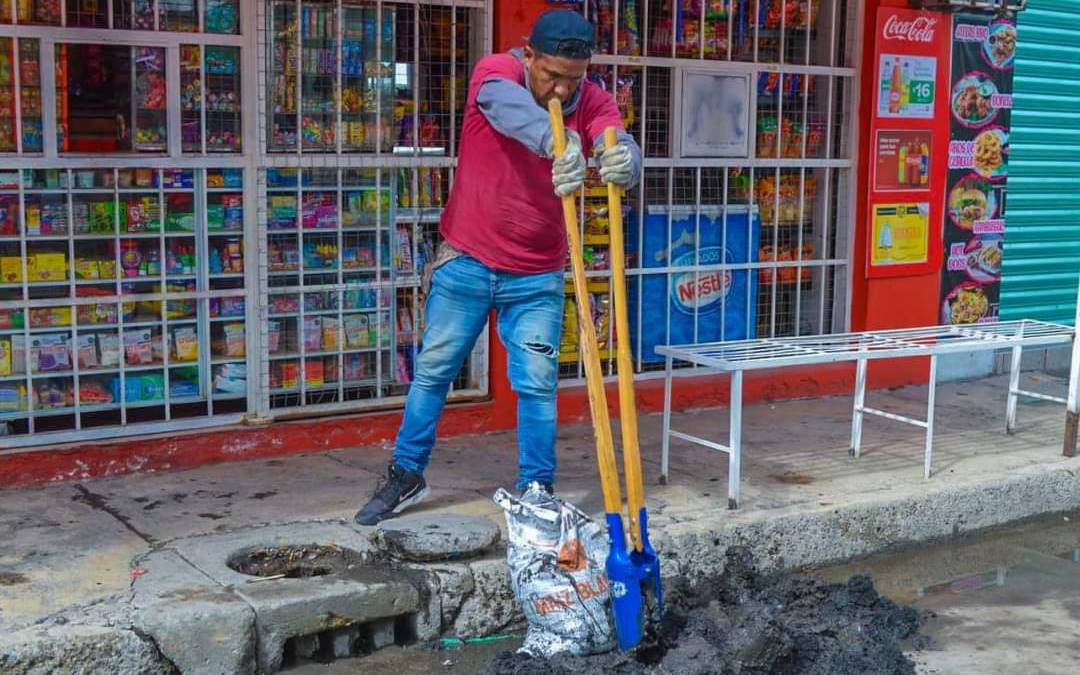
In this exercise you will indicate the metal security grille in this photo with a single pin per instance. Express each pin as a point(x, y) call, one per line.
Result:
point(126, 271)
point(745, 242)
point(1042, 247)
point(363, 108)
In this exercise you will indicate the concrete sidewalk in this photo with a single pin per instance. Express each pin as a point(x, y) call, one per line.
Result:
point(804, 501)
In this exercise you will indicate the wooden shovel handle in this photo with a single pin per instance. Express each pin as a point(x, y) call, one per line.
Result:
point(590, 354)
point(635, 485)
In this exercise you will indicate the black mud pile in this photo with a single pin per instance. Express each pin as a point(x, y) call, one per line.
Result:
point(745, 622)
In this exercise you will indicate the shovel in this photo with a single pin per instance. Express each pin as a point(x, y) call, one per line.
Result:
point(627, 570)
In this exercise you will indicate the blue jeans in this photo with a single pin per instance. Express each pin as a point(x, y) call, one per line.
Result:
point(530, 310)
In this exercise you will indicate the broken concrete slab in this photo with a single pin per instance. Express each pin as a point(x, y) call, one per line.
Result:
point(69, 650)
point(436, 536)
point(445, 588)
point(492, 607)
point(289, 608)
point(202, 627)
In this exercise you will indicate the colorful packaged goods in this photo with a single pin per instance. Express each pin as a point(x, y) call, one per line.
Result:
point(312, 333)
point(94, 393)
point(185, 344)
point(785, 207)
point(12, 396)
point(357, 331)
point(109, 350)
point(230, 378)
point(49, 317)
point(314, 373)
point(87, 354)
point(11, 318)
point(5, 357)
point(138, 347)
point(43, 267)
point(51, 394)
point(50, 353)
point(235, 341)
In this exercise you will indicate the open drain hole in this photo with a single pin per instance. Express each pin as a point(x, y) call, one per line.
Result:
point(293, 562)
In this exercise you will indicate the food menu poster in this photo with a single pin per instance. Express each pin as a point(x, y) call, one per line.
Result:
point(980, 103)
point(909, 134)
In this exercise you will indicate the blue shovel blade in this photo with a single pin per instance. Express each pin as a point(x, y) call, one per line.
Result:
point(649, 564)
point(624, 578)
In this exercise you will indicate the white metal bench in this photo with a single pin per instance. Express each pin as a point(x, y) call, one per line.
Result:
point(933, 342)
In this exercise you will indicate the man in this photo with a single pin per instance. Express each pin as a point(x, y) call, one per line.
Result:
point(505, 246)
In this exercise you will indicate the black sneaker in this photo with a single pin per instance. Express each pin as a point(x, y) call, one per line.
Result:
point(537, 493)
point(400, 490)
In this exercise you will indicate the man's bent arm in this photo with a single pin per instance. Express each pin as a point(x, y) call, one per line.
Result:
point(513, 111)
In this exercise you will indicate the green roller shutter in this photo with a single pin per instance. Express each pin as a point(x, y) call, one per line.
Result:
point(1042, 231)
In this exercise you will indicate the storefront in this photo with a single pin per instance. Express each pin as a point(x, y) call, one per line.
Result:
point(234, 234)
point(215, 212)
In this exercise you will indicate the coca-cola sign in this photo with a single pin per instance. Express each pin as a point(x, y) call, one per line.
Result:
point(919, 29)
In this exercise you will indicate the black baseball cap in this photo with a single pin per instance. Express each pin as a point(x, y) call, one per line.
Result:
point(563, 32)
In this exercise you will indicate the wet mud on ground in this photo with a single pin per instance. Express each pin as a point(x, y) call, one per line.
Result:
point(745, 622)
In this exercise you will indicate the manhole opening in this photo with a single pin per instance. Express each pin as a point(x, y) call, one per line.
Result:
point(349, 641)
point(293, 562)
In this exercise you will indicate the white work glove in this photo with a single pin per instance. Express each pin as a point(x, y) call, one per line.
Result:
point(617, 165)
point(568, 171)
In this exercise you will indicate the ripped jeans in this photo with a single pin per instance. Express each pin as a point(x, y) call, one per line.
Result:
point(530, 309)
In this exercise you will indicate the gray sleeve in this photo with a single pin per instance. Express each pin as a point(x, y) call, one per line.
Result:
point(511, 109)
point(635, 151)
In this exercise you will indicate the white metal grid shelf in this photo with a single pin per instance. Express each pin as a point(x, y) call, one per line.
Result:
point(930, 342)
point(62, 400)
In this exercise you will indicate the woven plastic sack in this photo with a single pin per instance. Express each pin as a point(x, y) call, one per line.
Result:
point(556, 555)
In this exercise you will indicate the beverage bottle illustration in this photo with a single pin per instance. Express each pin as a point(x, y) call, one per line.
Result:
point(924, 159)
point(885, 237)
point(914, 165)
point(905, 85)
point(895, 87)
point(901, 168)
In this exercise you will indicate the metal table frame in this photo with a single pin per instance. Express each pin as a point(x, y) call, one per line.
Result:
point(861, 348)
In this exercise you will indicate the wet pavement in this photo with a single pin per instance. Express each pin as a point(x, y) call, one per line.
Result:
point(1003, 602)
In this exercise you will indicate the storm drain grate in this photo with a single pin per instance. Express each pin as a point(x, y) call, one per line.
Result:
point(349, 641)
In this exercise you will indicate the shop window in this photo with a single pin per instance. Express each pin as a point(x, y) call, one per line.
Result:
point(179, 15)
point(87, 13)
point(216, 16)
point(344, 249)
point(133, 14)
point(210, 98)
point(748, 242)
point(20, 95)
point(384, 86)
point(140, 298)
point(43, 12)
point(111, 99)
